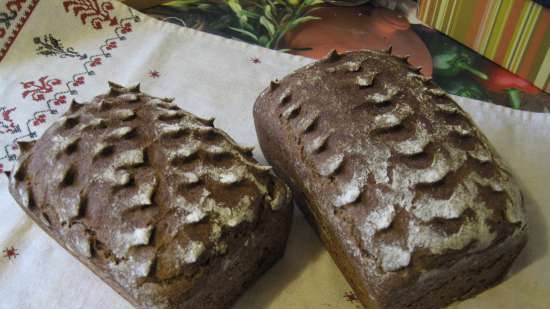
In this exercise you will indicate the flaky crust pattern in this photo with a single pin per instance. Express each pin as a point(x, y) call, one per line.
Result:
point(392, 170)
point(150, 197)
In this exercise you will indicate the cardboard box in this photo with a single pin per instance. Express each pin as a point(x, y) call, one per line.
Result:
point(512, 33)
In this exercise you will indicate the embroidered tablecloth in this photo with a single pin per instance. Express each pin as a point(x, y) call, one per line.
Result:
point(53, 51)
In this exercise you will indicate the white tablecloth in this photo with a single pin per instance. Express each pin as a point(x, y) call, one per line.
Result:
point(52, 54)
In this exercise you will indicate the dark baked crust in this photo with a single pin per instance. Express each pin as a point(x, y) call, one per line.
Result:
point(413, 204)
point(164, 207)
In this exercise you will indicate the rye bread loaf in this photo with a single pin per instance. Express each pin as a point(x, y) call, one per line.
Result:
point(165, 208)
point(414, 206)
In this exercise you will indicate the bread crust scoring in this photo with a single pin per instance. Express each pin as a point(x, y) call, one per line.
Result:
point(391, 171)
point(154, 200)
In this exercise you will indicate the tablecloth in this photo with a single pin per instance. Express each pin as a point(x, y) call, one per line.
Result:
point(54, 51)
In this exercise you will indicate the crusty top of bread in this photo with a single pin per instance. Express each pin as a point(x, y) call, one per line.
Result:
point(390, 158)
point(144, 190)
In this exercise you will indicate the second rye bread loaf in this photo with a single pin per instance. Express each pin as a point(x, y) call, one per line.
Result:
point(164, 207)
point(414, 206)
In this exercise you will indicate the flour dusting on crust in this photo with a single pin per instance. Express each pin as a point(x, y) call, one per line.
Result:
point(397, 143)
point(143, 190)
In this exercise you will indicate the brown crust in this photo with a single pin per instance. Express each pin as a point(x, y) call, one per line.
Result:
point(398, 181)
point(165, 208)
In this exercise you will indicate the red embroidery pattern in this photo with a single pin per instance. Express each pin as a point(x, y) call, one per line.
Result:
point(111, 45)
point(127, 27)
point(14, 8)
point(95, 62)
point(254, 60)
point(15, 5)
point(60, 100)
point(10, 253)
point(8, 18)
point(78, 81)
point(93, 10)
point(7, 125)
point(39, 119)
point(154, 74)
point(39, 88)
point(51, 94)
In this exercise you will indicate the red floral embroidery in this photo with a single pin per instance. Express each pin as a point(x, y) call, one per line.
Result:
point(93, 10)
point(7, 125)
point(18, 4)
point(95, 62)
point(39, 88)
point(60, 100)
point(39, 120)
point(154, 74)
point(10, 17)
point(10, 253)
point(111, 45)
point(78, 81)
point(20, 10)
point(127, 27)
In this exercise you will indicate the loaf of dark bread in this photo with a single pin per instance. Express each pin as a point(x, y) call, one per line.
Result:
point(165, 208)
point(414, 206)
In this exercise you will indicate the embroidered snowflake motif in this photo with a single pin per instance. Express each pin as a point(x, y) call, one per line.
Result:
point(11, 253)
point(254, 60)
point(154, 74)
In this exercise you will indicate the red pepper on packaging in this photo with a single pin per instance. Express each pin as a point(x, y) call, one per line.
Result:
point(501, 79)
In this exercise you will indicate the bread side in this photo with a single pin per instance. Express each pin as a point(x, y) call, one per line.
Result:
point(415, 207)
point(167, 209)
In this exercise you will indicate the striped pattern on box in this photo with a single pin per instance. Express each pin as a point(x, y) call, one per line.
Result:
point(512, 33)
